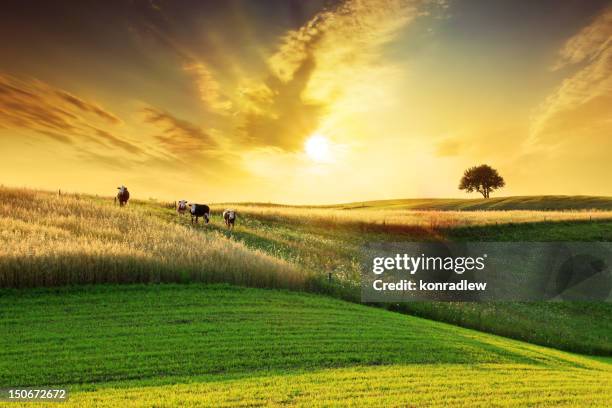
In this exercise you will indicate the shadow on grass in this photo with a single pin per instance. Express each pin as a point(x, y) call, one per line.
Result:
point(86, 269)
point(578, 231)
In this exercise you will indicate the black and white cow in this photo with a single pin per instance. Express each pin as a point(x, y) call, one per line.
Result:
point(199, 210)
point(123, 195)
point(181, 207)
point(229, 216)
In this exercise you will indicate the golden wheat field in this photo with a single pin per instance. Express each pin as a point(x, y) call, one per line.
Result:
point(49, 239)
point(427, 218)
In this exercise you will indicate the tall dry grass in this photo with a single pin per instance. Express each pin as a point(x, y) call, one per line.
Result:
point(428, 219)
point(50, 240)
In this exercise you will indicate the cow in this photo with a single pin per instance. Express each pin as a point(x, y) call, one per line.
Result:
point(181, 207)
point(229, 216)
point(123, 195)
point(199, 210)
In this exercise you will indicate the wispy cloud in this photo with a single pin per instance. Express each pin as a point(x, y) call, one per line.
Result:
point(278, 116)
point(315, 65)
point(305, 76)
point(88, 107)
point(583, 101)
point(116, 141)
point(186, 145)
point(589, 43)
point(208, 87)
point(163, 31)
point(55, 113)
point(346, 35)
point(179, 137)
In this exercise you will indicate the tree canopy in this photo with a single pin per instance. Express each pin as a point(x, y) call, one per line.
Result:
point(483, 179)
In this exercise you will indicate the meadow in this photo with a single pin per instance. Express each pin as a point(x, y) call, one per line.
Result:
point(52, 240)
point(396, 220)
point(331, 246)
point(137, 306)
point(529, 203)
point(218, 345)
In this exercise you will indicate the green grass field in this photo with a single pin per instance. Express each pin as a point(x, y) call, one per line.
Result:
point(82, 239)
point(579, 327)
point(154, 342)
point(536, 203)
point(217, 345)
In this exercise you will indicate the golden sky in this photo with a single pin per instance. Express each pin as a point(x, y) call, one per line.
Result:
point(305, 101)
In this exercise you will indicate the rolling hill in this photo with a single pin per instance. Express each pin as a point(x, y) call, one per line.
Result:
point(540, 203)
point(52, 240)
point(219, 345)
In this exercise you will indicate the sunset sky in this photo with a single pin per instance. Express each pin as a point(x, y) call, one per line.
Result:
point(305, 101)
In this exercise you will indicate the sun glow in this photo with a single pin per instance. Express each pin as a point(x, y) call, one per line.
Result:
point(317, 148)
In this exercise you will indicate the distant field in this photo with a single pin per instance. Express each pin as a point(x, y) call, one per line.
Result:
point(421, 221)
point(167, 345)
point(535, 203)
point(51, 240)
point(323, 248)
point(436, 217)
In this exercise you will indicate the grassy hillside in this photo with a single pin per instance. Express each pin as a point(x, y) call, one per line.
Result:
point(225, 346)
point(534, 203)
point(578, 231)
point(323, 249)
point(51, 240)
point(537, 203)
point(418, 223)
point(437, 385)
point(48, 240)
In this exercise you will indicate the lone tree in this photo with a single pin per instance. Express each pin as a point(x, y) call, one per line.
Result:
point(483, 179)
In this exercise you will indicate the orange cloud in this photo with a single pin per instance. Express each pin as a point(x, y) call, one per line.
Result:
point(589, 43)
point(178, 136)
point(343, 37)
point(208, 87)
point(281, 118)
point(316, 65)
point(583, 101)
point(57, 114)
point(88, 107)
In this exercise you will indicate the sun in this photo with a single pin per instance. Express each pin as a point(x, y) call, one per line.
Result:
point(317, 148)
